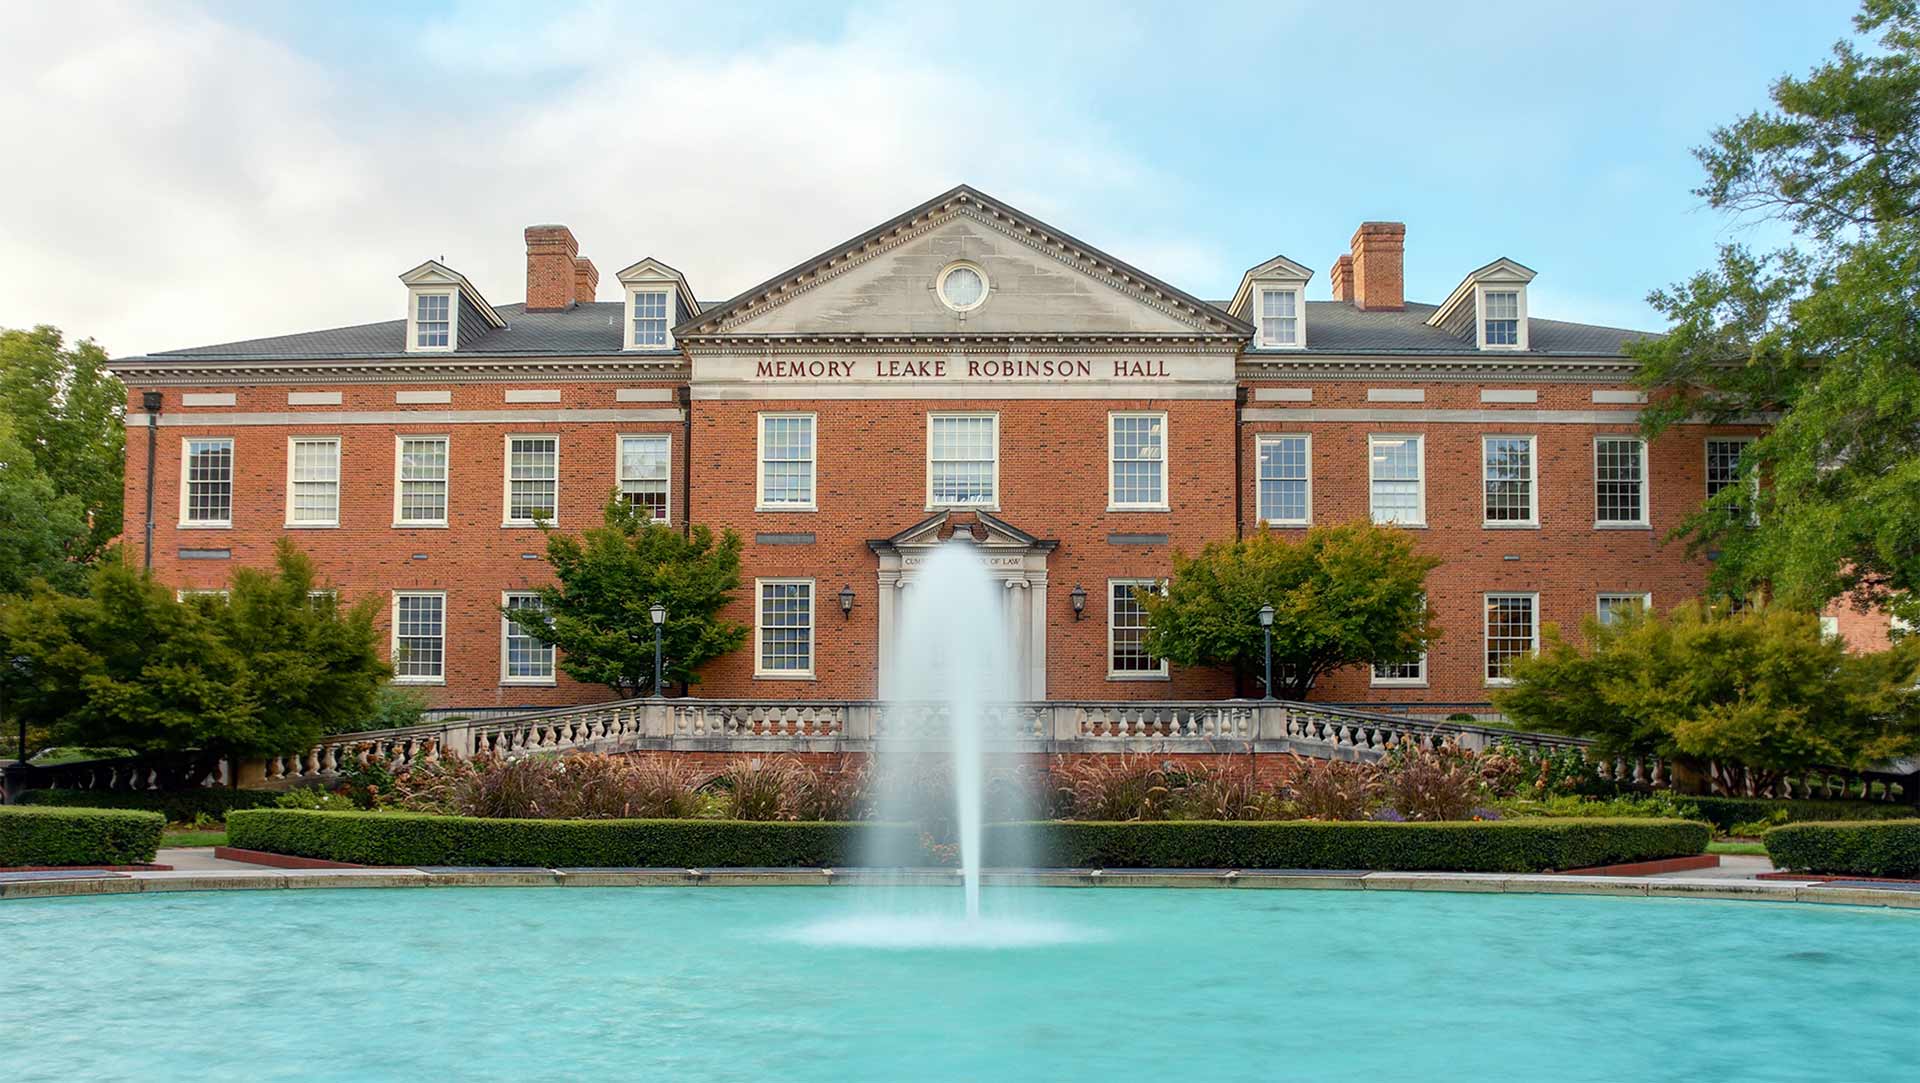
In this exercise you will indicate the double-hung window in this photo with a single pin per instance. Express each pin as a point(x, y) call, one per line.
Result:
point(1620, 481)
point(1137, 459)
point(1502, 319)
point(432, 321)
point(1512, 630)
point(313, 481)
point(643, 473)
point(420, 481)
point(1507, 476)
point(1401, 673)
point(783, 634)
point(1279, 317)
point(1723, 466)
point(787, 462)
point(652, 319)
point(1285, 480)
point(206, 492)
point(1612, 608)
point(1127, 657)
point(533, 479)
point(1396, 466)
point(963, 459)
point(523, 658)
point(419, 637)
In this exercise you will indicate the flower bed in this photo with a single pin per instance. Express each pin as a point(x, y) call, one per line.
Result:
point(1888, 848)
point(33, 836)
point(1508, 846)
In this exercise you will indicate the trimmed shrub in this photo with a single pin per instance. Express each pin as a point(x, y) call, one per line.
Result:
point(1883, 848)
point(1511, 846)
point(401, 838)
point(1724, 812)
point(178, 806)
point(78, 836)
point(1501, 846)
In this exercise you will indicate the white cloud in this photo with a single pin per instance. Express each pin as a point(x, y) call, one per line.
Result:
point(188, 180)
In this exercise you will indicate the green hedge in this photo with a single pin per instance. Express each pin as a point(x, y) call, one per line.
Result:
point(1882, 848)
point(1492, 846)
point(1724, 812)
point(1510, 846)
point(78, 836)
point(178, 806)
point(393, 838)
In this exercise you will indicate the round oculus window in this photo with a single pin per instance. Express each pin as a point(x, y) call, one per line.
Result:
point(962, 287)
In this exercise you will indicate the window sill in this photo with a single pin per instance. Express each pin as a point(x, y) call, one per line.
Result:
point(526, 524)
point(807, 676)
point(1484, 525)
point(785, 507)
point(1285, 524)
point(313, 526)
point(981, 506)
point(419, 680)
point(207, 526)
point(527, 682)
point(1154, 508)
point(1499, 682)
point(420, 526)
point(1403, 526)
point(1392, 683)
point(1139, 676)
point(1623, 526)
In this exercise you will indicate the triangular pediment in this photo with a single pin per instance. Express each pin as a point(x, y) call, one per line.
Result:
point(1036, 281)
point(434, 273)
point(987, 530)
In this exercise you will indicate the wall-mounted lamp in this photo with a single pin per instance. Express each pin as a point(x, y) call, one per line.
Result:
point(1078, 596)
point(846, 601)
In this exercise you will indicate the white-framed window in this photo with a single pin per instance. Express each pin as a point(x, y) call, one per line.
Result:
point(523, 659)
point(1280, 317)
point(1610, 608)
point(963, 460)
point(787, 463)
point(533, 479)
point(1397, 478)
point(1512, 630)
point(1620, 481)
point(1507, 471)
point(1402, 674)
point(1500, 318)
point(419, 481)
point(1284, 476)
point(649, 319)
point(1723, 466)
point(783, 630)
point(1127, 657)
point(432, 321)
point(645, 469)
point(206, 481)
point(1829, 626)
point(419, 637)
point(1137, 462)
point(313, 481)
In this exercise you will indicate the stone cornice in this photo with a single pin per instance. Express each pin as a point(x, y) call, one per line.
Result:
point(157, 372)
point(1607, 370)
point(761, 345)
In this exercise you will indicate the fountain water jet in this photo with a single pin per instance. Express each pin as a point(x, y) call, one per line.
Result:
point(952, 663)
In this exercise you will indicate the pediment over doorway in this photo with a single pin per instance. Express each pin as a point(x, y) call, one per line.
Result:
point(987, 531)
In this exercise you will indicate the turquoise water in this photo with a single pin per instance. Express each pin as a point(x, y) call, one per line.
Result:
point(787, 984)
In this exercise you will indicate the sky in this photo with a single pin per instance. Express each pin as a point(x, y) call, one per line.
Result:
point(185, 174)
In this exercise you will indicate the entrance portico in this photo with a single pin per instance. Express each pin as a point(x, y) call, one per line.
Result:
point(1014, 558)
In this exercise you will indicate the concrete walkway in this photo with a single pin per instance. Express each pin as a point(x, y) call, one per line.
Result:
point(199, 859)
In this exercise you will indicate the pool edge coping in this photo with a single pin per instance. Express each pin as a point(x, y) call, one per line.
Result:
point(1778, 891)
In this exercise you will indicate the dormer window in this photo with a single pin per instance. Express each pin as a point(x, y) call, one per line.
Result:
point(650, 317)
point(1501, 320)
point(432, 321)
point(1280, 317)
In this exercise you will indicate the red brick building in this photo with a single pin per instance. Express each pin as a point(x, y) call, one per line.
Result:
point(960, 366)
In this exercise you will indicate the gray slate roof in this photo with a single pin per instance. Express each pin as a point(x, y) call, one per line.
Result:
point(1333, 327)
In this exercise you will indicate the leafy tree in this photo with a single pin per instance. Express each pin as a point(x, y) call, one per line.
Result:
point(42, 531)
point(611, 575)
point(1762, 688)
point(1353, 594)
point(67, 411)
point(267, 671)
point(1822, 332)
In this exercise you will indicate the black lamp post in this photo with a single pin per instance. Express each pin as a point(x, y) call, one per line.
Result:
point(1078, 596)
point(846, 601)
point(17, 666)
point(151, 401)
point(658, 613)
point(1266, 633)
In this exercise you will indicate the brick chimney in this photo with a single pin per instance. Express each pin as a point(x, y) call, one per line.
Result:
point(551, 275)
point(1378, 265)
point(586, 280)
point(1343, 279)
